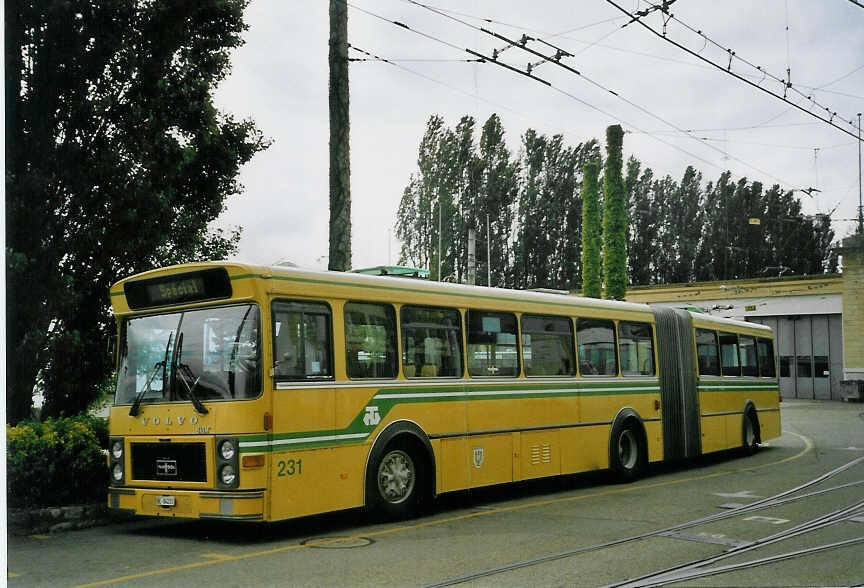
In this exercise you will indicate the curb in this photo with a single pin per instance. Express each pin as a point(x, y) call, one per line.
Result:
point(61, 518)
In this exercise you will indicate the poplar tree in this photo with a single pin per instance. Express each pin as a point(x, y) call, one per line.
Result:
point(614, 218)
point(591, 238)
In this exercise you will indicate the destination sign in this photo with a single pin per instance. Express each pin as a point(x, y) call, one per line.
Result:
point(209, 284)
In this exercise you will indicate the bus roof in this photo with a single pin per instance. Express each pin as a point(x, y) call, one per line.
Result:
point(397, 282)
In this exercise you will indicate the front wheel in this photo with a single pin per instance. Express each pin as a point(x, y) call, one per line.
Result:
point(394, 483)
point(627, 455)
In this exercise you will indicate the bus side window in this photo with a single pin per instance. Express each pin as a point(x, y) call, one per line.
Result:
point(597, 355)
point(765, 351)
point(707, 352)
point(749, 365)
point(729, 362)
point(370, 340)
point(431, 342)
point(492, 348)
point(547, 346)
point(636, 348)
point(302, 347)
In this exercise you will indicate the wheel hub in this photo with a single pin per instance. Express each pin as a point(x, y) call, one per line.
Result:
point(396, 476)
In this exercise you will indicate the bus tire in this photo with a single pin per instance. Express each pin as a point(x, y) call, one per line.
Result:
point(750, 432)
point(628, 454)
point(395, 485)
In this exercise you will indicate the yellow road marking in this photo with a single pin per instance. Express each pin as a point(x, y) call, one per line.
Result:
point(43, 537)
point(12, 575)
point(219, 558)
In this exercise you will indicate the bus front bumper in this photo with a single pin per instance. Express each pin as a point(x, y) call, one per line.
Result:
point(240, 506)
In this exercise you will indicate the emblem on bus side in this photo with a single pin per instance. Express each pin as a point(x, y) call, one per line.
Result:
point(371, 418)
point(478, 457)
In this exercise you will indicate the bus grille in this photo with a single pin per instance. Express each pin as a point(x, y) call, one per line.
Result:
point(169, 462)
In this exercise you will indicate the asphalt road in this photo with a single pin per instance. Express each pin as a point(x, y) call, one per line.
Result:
point(561, 532)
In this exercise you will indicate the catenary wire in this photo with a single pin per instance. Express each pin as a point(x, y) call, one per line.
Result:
point(555, 60)
point(829, 121)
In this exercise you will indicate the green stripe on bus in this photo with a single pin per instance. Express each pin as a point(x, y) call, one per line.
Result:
point(369, 417)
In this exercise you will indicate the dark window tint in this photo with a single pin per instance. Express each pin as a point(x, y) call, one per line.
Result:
point(805, 366)
point(636, 346)
point(708, 352)
point(765, 350)
point(431, 342)
point(820, 366)
point(547, 346)
point(596, 340)
point(370, 340)
point(302, 347)
point(747, 347)
point(729, 362)
point(492, 348)
point(786, 366)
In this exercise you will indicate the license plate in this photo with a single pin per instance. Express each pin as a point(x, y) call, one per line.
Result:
point(166, 501)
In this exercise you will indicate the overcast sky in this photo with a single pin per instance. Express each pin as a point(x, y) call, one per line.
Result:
point(279, 79)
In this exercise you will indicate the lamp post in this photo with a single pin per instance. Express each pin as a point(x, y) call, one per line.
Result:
point(860, 205)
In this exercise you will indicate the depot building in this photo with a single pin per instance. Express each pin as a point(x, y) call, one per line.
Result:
point(818, 321)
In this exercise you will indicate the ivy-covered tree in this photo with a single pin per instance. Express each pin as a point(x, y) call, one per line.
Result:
point(116, 162)
point(614, 217)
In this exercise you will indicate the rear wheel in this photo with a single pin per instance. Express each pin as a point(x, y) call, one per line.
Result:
point(394, 484)
point(750, 435)
point(628, 455)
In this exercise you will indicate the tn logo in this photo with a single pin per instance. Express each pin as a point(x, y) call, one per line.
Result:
point(371, 417)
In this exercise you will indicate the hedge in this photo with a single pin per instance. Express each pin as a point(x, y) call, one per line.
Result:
point(57, 462)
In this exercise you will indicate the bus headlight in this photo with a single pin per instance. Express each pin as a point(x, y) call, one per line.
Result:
point(227, 450)
point(116, 460)
point(227, 475)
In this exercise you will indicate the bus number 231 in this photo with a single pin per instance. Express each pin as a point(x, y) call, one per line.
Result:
point(290, 467)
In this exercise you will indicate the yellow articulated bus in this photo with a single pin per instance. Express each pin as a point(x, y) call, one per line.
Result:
point(266, 393)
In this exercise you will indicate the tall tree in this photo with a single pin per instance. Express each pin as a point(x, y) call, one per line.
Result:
point(644, 223)
point(117, 161)
point(340, 168)
point(592, 267)
point(497, 195)
point(614, 217)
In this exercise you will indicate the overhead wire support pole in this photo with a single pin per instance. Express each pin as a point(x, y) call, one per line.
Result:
point(829, 121)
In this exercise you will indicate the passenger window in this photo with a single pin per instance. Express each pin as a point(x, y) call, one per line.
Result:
point(636, 347)
point(729, 354)
point(707, 352)
point(749, 366)
point(492, 349)
point(765, 350)
point(431, 342)
point(302, 348)
point(547, 346)
point(370, 340)
point(596, 340)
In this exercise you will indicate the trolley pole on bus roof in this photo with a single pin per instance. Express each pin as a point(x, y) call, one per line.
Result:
point(340, 169)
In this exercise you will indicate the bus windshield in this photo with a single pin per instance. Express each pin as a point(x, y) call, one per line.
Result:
point(206, 354)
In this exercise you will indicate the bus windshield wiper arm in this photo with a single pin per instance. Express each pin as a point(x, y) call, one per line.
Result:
point(186, 375)
point(133, 410)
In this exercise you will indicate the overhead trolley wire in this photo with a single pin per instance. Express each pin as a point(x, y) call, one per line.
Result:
point(732, 55)
point(490, 59)
point(555, 59)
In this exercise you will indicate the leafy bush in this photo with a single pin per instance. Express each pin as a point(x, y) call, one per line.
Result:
point(57, 462)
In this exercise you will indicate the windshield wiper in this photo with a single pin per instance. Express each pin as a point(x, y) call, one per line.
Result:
point(184, 371)
point(133, 410)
